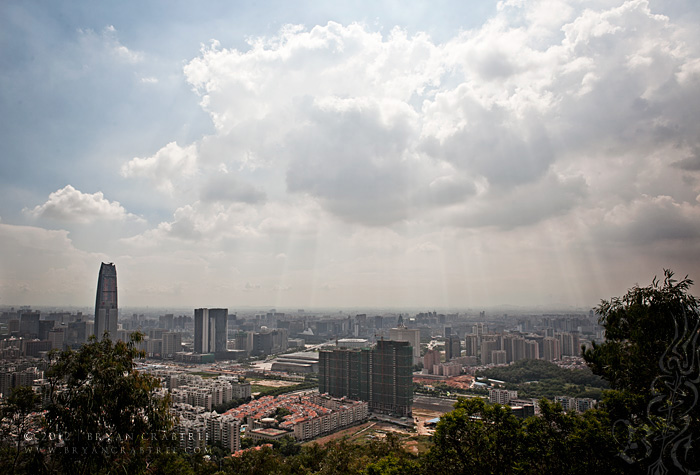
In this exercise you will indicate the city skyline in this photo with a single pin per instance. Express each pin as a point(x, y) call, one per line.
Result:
point(452, 155)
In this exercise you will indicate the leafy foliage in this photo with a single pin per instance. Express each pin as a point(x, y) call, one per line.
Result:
point(280, 413)
point(105, 409)
point(479, 438)
point(276, 391)
point(472, 438)
point(221, 408)
point(539, 370)
point(640, 328)
point(338, 456)
point(539, 378)
point(15, 423)
point(651, 359)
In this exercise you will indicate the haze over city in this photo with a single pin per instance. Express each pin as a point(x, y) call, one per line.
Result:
point(390, 154)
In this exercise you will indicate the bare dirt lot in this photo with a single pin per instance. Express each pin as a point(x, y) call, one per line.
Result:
point(420, 416)
point(415, 441)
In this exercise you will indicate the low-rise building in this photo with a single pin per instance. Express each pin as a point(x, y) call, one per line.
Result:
point(310, 416)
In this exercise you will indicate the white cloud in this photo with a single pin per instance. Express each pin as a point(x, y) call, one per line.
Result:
point(549, 120)
point(216, 222)
point(126, 54)
point(350, 154)
point(169, 166)
point(651, 219)
point(226, 187)
point(71, 205)
point(553, 147)
point(369, 124)
point(427, 247)
point(119, 50)
point(42, 266)
point(521, 206)
point(105, 45)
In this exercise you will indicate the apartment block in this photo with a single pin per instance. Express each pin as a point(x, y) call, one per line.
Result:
point(502, 396)
point(381, 376)
point(197, 428)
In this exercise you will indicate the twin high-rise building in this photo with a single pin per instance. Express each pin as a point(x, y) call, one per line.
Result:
point(210, 330)
point(382, 376)
point(411, 335)
point(453, 347)
point(106, 310)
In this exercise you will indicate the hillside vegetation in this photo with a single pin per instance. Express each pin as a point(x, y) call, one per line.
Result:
point(539, 378)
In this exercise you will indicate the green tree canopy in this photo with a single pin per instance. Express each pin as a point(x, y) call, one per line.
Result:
point(108, 413)
point(473, 437)
point(650, 358)
point(480, 438)
point(643, 328)
point(14, 424)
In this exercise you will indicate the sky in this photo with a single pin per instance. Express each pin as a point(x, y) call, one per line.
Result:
point(444, 154)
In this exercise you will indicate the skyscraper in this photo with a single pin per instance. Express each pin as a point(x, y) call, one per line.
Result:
point(201, 330)
point(220, 319)
point(453, 347)
point(471, 345)
point(412, 335)
point(210, 330)
point(106, 302)
point(29, 324)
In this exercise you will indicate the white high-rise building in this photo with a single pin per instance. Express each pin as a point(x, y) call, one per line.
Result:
point(210, 330)
point(502, 396)
point(551, 348)
point(201, 330)
point(411, 335)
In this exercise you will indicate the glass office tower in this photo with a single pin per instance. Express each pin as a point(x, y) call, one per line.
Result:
point(106, 302)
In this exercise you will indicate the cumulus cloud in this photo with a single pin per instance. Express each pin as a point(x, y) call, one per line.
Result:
point(427, 247)
point(523, 205)
point(690, 163)
point(169, 166)
point(69, 204)
point(553, 130)
point(350, 155)
point(41, 266)
point(381, 129)
point(226, 187)
point(650, 219)
point(194, 223)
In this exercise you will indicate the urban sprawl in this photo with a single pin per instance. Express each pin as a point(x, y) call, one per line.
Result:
point(343, 369)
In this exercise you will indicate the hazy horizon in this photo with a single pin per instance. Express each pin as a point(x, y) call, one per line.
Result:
point(540, 154)
point(496, 312)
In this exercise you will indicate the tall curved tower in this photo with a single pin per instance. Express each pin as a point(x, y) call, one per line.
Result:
point(106, 302)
